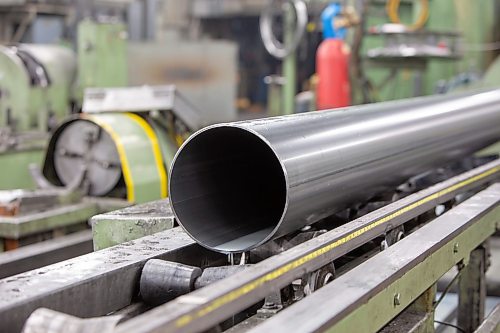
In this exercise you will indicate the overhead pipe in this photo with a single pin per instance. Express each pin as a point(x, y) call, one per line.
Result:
point(235, 186)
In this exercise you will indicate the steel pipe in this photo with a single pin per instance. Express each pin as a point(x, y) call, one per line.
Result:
point(235, 186)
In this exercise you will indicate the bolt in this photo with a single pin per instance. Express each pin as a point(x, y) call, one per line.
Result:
point(397, 299)
point(270, 306)
point(455, 248)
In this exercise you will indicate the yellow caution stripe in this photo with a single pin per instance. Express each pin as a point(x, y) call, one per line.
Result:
point(127, 175)
point(247, 288)
point(155, 144)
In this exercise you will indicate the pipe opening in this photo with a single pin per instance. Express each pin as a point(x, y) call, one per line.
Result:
point(228, 189)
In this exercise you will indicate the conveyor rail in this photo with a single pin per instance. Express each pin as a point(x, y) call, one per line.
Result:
point(206, 307)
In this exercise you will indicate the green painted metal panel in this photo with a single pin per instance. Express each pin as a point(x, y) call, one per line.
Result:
point(143, 176)
point(474, 19)
point(24, 225)
point(131, 223)
point(14, 87)
point(60, 65)
point(28, 106)
point(401, 85)
point(380, 309)
point(14, 168)
point(102, 59)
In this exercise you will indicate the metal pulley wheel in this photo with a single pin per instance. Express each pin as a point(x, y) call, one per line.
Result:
point(83, 146)
point(271, 43)
point(319, 278)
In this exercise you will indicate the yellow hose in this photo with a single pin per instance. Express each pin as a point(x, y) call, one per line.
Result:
point(392, 9)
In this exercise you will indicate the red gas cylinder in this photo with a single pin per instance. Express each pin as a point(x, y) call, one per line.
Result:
point(332, 67)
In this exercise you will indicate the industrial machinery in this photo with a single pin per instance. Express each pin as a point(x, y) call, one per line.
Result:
point(36, 94)
point(363, 219)
point(38, 80)
point(115, 153)
point(352, 238)
point(39, 88)
point(388, 56)
point(123, 142)
point(114, 144)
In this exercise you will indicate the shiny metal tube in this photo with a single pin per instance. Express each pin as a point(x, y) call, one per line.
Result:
point(235, 186)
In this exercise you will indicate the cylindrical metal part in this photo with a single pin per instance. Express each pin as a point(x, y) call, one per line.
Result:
point(235, 186)
point(162, 281)
point(214, 274)
point(83, 145)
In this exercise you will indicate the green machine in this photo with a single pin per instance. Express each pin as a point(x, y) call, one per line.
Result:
point(115, 153)
point(35, 88)
point(40, 86)
point(398, 49)
point(102, 55)
point(123, 142)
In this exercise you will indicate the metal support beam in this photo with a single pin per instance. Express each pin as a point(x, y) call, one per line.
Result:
point(236, 293)
point(417, 318)
point(366, 298)
point(94, 284)
point(45, 253)
point(108, 279)
point(130, 223)
point(23, 225)
point(472, 291)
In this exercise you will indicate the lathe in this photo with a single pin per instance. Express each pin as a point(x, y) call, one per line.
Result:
point(110, 156)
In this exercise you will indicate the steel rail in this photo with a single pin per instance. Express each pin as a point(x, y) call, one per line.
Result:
point(235, 186)
point(45, 253)
point(417, 261)
point(206, 307)
point(94, 284)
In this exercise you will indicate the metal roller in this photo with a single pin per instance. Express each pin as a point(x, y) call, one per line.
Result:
point(235, 186)
point(162, 281)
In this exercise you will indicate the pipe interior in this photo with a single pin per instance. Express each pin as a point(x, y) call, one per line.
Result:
point(228, 189)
